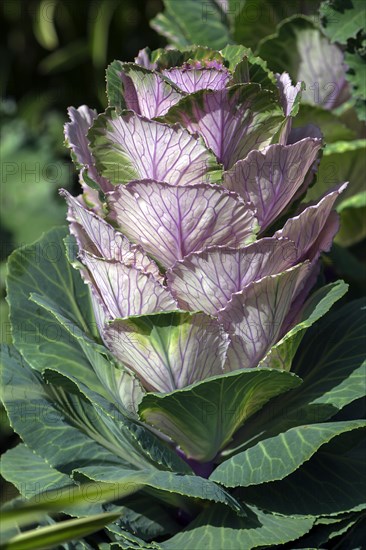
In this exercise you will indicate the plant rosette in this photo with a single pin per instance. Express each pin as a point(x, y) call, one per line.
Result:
point(164, 348)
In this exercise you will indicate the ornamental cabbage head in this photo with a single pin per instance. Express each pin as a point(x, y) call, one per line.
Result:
point(190, 233)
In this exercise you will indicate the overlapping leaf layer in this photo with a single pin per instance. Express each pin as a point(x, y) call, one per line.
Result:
point(158, 348)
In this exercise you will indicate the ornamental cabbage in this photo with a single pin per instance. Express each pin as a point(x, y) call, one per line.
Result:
point(192, 267)
point(168, 369)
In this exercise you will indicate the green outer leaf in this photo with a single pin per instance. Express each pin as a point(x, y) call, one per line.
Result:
point(355, 538)
point(147, 443)
point(325, 529)
point(331, 361)
point(344, 20)
point(246, 67)
point(30, 473)
point(67, 498)
point(277, 457)
point(356, 77)
point(338, 347)
point(202, 418)
point(146, 517)
point(139, 443)
point(43, 268)
point(114, 85)
point(127, 541)
point(33, 476)
point(282, 354)
point(131, 442)
point(47, 537)
point(201, 23)
point(332, 482)
point(69, 436)
point(184, 485)
point(102, 363)
point(63, 318)
point(60, 426)
point(217, 528)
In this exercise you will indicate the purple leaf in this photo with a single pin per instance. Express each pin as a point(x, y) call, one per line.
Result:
point(171, 221)
point(191, 79)
point(298, 134)
point(270, 179)
point(170, 350)
point(302, 132)
point(313, 230)
point(294, 315)
point(146, 92)
point(76, 138)
point(130, 147)
point(290, 95)
point(206, 280)
point(125, 290)
point(95, 235)
point(144, 60)
point(254, 316)
point(232, 121)
point(75, 133)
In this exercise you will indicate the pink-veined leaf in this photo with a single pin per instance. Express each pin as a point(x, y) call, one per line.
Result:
point(206, 280)
point(129, 147)
point(314, 228)
point(254, 316)
point(95, 235)
point(171, 221)
point(270, 179)
point(76, 138)
point(147, 93)
point(125, 290)
point(144, 60)
point(232, 121)
point(169, 350)
point(191, 79)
